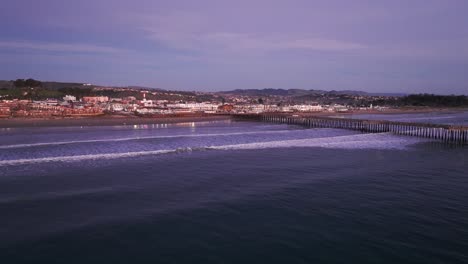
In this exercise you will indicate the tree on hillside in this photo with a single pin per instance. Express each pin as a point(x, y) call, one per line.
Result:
point(33, 83)
point(435, 100)
point(19, 83)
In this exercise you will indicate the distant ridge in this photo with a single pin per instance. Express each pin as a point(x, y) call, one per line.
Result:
point(144, 88)
point(46, 85)
point(4, 84)
point(301, 92)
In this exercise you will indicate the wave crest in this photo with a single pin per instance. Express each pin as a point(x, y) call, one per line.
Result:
point(359, 141)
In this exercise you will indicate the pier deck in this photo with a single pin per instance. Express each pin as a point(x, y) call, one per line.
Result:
point(446, 133)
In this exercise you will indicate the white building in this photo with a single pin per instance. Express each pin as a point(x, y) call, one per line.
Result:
point(147, 103)
point(194, 107)
point(307, 108)
point(115, 107)
point(95, 99)
point(69, 98)
point(250, 108)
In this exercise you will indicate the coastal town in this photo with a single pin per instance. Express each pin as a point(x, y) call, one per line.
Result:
point(70, 106)
point(34, 99)
point(147, 103)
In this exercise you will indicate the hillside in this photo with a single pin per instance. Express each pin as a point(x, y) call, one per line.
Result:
point(300, 92)
point(46, 85)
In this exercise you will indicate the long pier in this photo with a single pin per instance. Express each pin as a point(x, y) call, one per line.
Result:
point(445, 133)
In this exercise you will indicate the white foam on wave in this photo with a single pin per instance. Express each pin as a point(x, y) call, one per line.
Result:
point(357, 141)
point(136, 138)
point(408, 118)
point(90, 157)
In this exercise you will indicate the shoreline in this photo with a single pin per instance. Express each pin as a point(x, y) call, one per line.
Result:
point(116, 120)
point(104, 121)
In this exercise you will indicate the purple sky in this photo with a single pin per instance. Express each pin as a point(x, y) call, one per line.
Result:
point(209, 45)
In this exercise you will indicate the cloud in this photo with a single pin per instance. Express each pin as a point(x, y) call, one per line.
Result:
point(186, 31)
point(368, 35)
point(59, 47)
point(245, 42)
point(239, 42)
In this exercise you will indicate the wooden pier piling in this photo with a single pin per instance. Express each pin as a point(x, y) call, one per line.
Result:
point(445, 133)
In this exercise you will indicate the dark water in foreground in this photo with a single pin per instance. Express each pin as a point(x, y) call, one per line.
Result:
point(229, 192)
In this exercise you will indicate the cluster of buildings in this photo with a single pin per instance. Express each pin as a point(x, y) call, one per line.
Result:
point(47, 108)
point(291, 108)
point(99, 105)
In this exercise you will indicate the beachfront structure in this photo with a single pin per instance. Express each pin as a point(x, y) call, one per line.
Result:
point(307, 108)
point(261, 108)
point(147, 103)
point(95, 99)
point(115, 107)
point(68, 98)
point(194, 107)
point(250, 108)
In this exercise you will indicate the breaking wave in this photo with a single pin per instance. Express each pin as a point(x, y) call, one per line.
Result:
point(424, 118)
point(357, 141)
point(135, 138)
point(91, 156)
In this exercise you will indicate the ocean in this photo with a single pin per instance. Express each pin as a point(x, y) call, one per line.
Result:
point(231, 192)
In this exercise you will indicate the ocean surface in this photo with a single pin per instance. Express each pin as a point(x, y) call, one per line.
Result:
point(453, 118)
point(231, 192)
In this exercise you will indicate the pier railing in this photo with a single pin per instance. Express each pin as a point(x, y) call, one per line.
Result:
point(445, 133)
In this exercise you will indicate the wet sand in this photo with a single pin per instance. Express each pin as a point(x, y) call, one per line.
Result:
point(104, 121)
